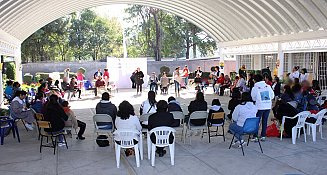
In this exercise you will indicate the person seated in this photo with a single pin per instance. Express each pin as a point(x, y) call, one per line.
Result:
point(236, 100)
point(37, 105)
point(99, 82)
point(126, 119)
point(287, 95)
point(219, 83)
point(153, 81)
point(149, 105)
point(15, 88)
point(19, 110)
point(215, 107)
point(173, 105)
point(241, 84)
point(73, 87)
point(161, 118)
point(316, 87)
point(198, 82)
point(243, 111)
point(65, 84)
point(9, 90)
point(199, 104)
point(164, 81)
point(106, 107)
point(234, 84)
point(55, 114)
point(72, 121)
point(227, 83)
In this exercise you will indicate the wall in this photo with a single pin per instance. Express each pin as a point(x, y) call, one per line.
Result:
point(91, 67)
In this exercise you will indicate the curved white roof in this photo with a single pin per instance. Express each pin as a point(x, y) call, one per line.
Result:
point(229, 22)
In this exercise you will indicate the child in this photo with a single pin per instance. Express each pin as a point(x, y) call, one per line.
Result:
point(37, 105)
point(72, 121)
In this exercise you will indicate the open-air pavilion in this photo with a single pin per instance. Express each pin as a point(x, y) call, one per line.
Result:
point(240, 27)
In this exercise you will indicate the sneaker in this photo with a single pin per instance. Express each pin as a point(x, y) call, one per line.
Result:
point(80, 138)
point(29, 126)
point(235, 142)
point(242, 144)
point(254, 139)
point(61, 144)
point(263, 139)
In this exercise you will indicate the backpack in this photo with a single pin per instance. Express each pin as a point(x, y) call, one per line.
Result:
point(102, 141)
point(263, 94)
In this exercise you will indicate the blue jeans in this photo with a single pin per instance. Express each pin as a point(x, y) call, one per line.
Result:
point(186, 81)
point(236, 130)
point(153, 87)
point(263, 115)
point(177, 86)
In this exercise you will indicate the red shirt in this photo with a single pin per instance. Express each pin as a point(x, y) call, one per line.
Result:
point(106, 74)
point(220, 80)
point(185, 71)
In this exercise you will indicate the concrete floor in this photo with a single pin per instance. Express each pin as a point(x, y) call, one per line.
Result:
point(85, 157)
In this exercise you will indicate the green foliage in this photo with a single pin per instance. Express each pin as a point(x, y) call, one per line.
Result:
point(37, 77)
point(28, 78)
point(42, 75)
point(11, 71)
point(164, 69)
point(75, 37)
point(176, 35)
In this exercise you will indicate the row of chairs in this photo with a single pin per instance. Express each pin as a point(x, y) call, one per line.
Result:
point(301, 122)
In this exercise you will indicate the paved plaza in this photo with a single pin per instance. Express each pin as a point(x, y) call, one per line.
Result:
point(85, 157)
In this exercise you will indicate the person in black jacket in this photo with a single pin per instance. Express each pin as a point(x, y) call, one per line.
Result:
point(236, 100)
point(199, 104)
point(276, 86)
point(215, 108)
point(55, 114)
point(106, 107)
point(139, 80)
point(173, 105)
point(161, 118)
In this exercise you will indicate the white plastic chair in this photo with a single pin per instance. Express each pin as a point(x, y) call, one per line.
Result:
point(190, 127)
point(322, 98)
point(302, 116)
point(162, 140)
point(103, 118)
point(125, 138)
point(318, 122)
point(178, 115)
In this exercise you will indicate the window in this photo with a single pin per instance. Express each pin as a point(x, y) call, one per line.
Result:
point(269, 60)
point(247, 60)
point(304, 60)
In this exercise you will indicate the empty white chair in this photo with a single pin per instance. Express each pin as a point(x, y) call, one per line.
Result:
point(103, 118)
point(302, 116)
point(178, 115)
point(190, 127)
point(318, 122)
point(162, 140)
point(127, 138)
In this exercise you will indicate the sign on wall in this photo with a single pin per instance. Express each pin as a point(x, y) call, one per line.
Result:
point(121, 69)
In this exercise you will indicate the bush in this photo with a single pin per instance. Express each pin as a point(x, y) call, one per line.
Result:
point(11, 71)
point(164, 69)
point(28, 78)
point(42, 75)
point(37, 77)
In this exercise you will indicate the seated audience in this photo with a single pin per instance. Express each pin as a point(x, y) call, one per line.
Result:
point(19, 109)
point(219, 83)
point(72, 121)
point(55, 114)
point(215, 107)
point(227, 83)
point(161, 118)
point(106, 107)
point(199, 104)
point(243, 111)
point(15, 88)
point(65, 84)
point(149, 105)
point(287, 95)
point(9, 90)
point(316, 87)
point(236, 100)
point(37, 105)
point(233, 86)
point(173, 105)
point(241, 84)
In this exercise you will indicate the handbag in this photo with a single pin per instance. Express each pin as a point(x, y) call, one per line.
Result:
point(272, 131)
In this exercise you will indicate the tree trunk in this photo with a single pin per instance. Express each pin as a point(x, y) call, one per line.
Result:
point(193, 42)
point(187, 48)
point(158, 37)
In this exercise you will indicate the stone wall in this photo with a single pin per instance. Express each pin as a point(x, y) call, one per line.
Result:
point(91, 67)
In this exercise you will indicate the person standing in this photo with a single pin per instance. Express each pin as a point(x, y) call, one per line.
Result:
point(106, 77)
point(139, 80)
point(242, 71)
point(66, 73)
point(177, 80)
point(164, 81)
point(262, 94)
point(304, 76)
point(214, 75)
point(186, 73)
point(295, 73)
point(133, 79)
point(97, 74)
